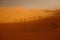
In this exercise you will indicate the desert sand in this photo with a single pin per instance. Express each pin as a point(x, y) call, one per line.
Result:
point(47, 28)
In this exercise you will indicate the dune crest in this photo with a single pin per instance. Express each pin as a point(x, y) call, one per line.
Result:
point(14, 14)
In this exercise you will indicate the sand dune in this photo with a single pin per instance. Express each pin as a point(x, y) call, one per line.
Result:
point(42, 29)
point(45, 24)
point(10, 14)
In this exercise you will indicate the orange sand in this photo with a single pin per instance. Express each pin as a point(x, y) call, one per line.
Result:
point(10, 14)
point(47, 28)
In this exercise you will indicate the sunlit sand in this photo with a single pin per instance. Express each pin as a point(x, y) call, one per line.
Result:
point(9, 15)
point(29, 24)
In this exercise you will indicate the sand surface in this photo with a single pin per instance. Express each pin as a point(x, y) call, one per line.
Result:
point(43, 29)
point(29, 24)
point(19, 13)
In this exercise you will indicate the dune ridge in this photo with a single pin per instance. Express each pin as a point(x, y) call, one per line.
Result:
point(36, 29)
point(12, 14)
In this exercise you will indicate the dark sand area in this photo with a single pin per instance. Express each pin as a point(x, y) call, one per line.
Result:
point(45, 29)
